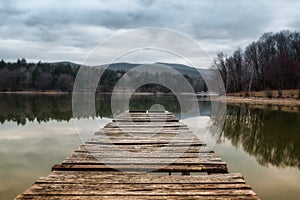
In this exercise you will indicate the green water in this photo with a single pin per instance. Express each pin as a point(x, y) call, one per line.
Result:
point(38, 131)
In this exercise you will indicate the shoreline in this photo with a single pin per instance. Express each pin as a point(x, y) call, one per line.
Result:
point(228, 99)
point(35, 92)
point(258, 101)
point(60, 92)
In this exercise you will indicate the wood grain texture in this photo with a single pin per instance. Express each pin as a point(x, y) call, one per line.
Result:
point(122, 185)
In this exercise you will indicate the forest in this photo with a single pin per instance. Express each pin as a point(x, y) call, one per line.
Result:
point(271, 63)
point(20, 76)
point(24, 76)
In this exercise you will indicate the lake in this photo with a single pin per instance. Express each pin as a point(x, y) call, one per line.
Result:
point(38, 131)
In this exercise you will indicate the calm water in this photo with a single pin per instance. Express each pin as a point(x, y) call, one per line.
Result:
point(37, 131)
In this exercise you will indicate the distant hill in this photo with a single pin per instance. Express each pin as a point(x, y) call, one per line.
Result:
point(66, 63)
point(183, 69)
point(190, 71)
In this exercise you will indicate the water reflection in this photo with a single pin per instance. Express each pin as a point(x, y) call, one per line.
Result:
point(271, 136)
point(22, 108)
point(37, 131)
point(42, 108)
point(28, 152)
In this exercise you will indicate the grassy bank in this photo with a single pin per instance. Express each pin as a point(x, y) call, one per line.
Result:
point(294, 94)
point(259, 100)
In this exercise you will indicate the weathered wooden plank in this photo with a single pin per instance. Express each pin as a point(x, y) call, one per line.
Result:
point(141, 116)
point(146, 144)
point(129, 197)
point(145, 113)
point(71, 189)
point(145, 120)
point(141, 113)
point(146, 123)
point(129, 131)
point(145, 126)
point(209, 168)
point(106, 146)
point(101, 138)
point(160, 126)
point(166, 124)
point(118, 134)
point(96, 147)
point(140, 189)
point(137, 178)
point(142, 148)
point(159, 130)
point(142, 141)
point(122, 154)
point(194, 157)
point(153, 134)
point(146, 116)
point(141, 197)
point(135, 120)
point(149, 113)
point(143, 160)
point(120, 184)
point(151, 159)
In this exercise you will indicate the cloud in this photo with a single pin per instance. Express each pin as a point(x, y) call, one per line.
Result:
point(80, 25)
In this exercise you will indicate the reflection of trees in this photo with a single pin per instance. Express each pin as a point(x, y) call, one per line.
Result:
point(42, 108)
point(273, 137)
point(20, 108)
point(169, 102)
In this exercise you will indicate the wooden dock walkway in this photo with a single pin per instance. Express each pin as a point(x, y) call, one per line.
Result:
point(99, 170)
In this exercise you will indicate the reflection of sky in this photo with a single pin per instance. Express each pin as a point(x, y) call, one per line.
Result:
point(200, 127)
point(28, 152)
point(84, 126)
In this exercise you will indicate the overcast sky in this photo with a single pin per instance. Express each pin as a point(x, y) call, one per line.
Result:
point(69, 30)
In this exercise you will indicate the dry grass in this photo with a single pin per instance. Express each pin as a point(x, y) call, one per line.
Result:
point(258, 101)
point(294, 94)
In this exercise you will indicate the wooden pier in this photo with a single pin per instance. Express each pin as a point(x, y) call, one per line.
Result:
point(99, 170)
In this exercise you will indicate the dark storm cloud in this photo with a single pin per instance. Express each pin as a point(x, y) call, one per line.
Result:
point(79, 25)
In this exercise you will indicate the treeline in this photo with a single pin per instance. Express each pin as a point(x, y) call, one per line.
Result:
point(271, 63)
point(24, 76)
point(20, 76)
